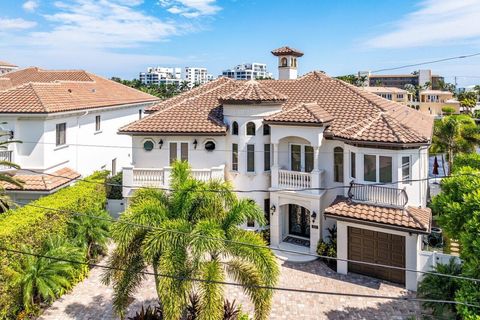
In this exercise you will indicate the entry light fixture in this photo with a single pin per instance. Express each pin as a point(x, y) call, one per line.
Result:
point(195, 143)
point(160, 143)
point(314, 216)
point(11, 134)
point(273, 209)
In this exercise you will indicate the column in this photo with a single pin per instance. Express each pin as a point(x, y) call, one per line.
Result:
point(274, 167)
point(275, 221)
point(315, 174)
point(127, 178)
point(342, 247)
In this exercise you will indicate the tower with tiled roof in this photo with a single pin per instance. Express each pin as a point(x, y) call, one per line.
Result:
point(287, 62)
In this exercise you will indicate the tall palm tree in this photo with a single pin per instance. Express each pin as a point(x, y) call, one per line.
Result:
point(455, 134)
point(182, 243)
point(43, 279)
point(5, 201)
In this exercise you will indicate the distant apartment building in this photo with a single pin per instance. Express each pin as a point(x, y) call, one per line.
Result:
point(248, 71)
point(7, 67)
point(391, 93)
point(417, 78)
point(165, 75)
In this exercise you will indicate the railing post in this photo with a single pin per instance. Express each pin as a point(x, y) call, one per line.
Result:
point(166, 176)
point(127, 180)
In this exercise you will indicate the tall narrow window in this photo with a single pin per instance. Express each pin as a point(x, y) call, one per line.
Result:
point(184, 151)
point(266, 210)
point(235, 157)
point(251, 129)
point(139, 114)
point(266, 157)
point(296, 157)
point(235, 128)
point(97, 123)
point(406, 169)
point(266, 130)
point(338, 164)
point(353, 164)
point(385, 169)
point(251, 222)
point(173, 152)
point(114, 166)
point(370, 168)
point(250, 158)
point(309, 159)
point(61, 134)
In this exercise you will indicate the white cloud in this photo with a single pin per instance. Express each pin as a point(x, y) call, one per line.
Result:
point(433, 23)
point(15, 24)
point(30, 5)
point(191, 8)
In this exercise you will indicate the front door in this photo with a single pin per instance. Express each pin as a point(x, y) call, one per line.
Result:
point(298, 221)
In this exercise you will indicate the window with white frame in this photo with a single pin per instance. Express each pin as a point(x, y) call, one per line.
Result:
point(235, 157)
point(353, 164)
point(377, 168)
point(406, 169)
point(178, 151)
point(301, 157)
point(97, 123)
point(61, 134)
point(338, 164)
point(250, 158)
point(266, 157)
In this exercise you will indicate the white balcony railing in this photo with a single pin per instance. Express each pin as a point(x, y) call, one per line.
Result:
point(152, 177)
point(294, 179)
point(378, 195)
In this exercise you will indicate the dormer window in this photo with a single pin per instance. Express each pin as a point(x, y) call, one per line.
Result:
point(235, 128)
point(251, 129)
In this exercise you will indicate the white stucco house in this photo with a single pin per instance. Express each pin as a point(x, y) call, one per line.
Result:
point(67, 121)
point(315, 148)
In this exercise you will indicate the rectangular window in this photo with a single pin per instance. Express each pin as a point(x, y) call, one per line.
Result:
point(184, 151)
point(266, 157)
point(61, 134)
point(97, 123)
point(114, 166)
point(296, 157)
point(385, 169)
point(235, 157)
point(353, 164)
point(406, 169)
point(308, 159)
point(370, 168)
point(139, 114)
point(250, 158)
point(173, 152)
point(266, 210)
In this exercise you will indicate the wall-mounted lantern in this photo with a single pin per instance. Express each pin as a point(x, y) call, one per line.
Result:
point(314, 216)
point(160, 143)
point(195, 143)
point(272, 209)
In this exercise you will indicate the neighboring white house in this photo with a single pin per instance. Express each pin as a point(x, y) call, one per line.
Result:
point(315, 148)
point(165, 75)
point(58, 116)
point(248, 71)
point(6, 67)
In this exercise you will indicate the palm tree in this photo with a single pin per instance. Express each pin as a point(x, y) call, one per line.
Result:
point(92, 233)
point(5, 201)
point(436, 287)
point(43, 279)
point(184, 85)
point(181, 242)
point(454, 134)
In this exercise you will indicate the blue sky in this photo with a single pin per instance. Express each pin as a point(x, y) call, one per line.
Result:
point(123, 37)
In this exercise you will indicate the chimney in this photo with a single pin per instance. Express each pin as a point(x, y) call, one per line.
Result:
point(287, 62)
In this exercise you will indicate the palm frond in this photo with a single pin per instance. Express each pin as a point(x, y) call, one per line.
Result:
point(211, 294)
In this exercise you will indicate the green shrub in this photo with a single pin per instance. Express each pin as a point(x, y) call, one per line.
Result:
point(471, 160)
point(31, 226)
point(114, 186)
point(448, 110)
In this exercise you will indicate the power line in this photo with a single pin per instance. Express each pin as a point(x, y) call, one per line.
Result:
point(181, 278)
point(248, 244)
point(427, 62)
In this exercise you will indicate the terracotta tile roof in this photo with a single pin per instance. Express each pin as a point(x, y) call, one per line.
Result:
point(411, 217)
point(358, 115)
point(39, 91)
point(7, 64)
point(287, 51)
point(307, 113)
point(43, 182)
point(253, 92)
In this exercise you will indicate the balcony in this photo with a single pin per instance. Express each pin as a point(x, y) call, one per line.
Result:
point(378, 195)
point(5, 155)
point(134, 178)
point(297, 180)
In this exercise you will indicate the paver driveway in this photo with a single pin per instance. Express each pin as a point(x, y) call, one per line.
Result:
point(92, 300)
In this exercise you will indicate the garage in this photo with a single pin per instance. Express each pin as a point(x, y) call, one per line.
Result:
point(376, 247)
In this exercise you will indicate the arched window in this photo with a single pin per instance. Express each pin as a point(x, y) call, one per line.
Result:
point(235, 128)
point(283, 62)
point(250, 129)
point(338, 164)
point(266, 130)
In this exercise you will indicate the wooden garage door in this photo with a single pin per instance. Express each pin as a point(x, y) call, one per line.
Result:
point(377, 247)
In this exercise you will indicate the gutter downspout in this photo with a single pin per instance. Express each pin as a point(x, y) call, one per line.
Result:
point(76, 138)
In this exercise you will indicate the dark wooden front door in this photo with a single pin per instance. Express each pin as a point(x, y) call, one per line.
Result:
point(376, 247)
point(298, 221)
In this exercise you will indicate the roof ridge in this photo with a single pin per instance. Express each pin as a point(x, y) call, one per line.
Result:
point(307, 107)
point(38, 97)
point(374, 119)
point(413, 131)
point(355, 90)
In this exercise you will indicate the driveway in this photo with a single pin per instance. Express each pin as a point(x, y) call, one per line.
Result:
point(92, 300)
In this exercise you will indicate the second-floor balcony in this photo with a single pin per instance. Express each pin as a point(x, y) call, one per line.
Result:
point(5, 155)
point(298, 181)
point(378, 195)
point(134, 178)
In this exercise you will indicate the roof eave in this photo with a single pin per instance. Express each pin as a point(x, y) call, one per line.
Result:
point(170, 133)
point(331, 136)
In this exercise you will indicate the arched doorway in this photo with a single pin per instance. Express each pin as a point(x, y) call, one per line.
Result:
point(298, 221)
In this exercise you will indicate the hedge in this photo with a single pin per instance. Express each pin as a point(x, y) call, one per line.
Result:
point(31, 226)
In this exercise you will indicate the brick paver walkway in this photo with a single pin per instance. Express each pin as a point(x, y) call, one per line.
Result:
point(92, 300)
